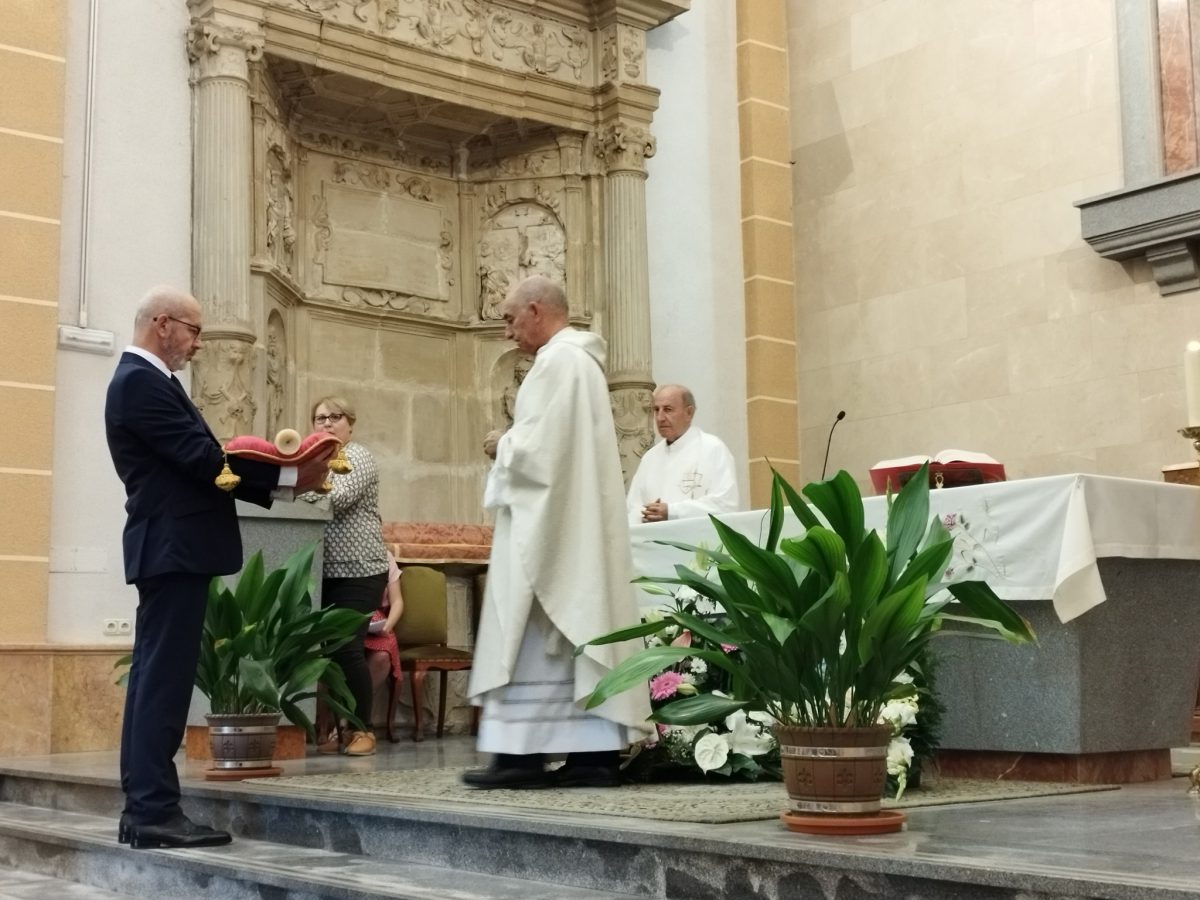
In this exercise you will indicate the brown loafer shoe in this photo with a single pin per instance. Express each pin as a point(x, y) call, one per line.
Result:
point(362, 743)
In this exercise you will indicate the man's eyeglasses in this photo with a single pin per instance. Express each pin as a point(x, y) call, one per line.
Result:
point(332, 419)
point(194, 329)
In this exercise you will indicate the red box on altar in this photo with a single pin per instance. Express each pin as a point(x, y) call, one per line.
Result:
point(950, 468)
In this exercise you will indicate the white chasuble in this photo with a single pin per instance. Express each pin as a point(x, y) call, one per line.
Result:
point(561, 542)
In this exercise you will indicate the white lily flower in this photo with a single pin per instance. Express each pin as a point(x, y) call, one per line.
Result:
point(745, 738)
point(710, 752)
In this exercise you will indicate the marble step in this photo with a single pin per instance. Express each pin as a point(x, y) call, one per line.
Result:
point(81, 847)
point(16, 884)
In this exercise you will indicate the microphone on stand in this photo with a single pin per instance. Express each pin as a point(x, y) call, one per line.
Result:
point(841, 415)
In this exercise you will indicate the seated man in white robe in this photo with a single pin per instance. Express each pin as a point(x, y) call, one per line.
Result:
point(688, 473)
point(560, 567)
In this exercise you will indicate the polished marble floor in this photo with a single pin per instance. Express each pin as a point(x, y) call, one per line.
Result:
point(1143, 837)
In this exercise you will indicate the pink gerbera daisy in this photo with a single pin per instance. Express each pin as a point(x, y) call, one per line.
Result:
point(663, 686)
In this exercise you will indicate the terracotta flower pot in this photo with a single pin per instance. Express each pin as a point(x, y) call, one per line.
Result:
point(835, 779)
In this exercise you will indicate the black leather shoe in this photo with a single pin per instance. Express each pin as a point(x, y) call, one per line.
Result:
point(513, 777)
point(177, 832)
point(123, 828)
point(570, 776)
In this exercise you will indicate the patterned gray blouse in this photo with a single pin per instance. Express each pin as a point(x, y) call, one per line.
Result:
point(354, 537)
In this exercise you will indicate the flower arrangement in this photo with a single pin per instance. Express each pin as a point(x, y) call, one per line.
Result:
point(741, 745)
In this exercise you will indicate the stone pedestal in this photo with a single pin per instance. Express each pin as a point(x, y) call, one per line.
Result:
point(1101, 698)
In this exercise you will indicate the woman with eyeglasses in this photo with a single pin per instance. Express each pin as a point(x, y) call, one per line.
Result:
point(355, 569)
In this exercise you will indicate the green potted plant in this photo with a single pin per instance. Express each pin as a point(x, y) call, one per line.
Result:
point(263, 652)
point(817, 631)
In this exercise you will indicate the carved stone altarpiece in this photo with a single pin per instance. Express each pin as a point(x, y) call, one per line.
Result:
point(392, 207)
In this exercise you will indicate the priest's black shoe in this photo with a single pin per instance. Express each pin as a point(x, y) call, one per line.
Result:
point(597, 768)
point(570, 776)
point(123, 829)
point(518, 772)
point(179, 831)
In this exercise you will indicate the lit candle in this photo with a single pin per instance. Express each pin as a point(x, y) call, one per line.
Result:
point(1191, 381)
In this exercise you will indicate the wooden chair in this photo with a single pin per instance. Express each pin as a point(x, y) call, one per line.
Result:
point(422, 634)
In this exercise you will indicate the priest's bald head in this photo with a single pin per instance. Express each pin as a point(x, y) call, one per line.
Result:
point(533, 312)
point(674, 407)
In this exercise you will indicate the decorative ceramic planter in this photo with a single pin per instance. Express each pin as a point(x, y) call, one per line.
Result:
point(835, 779)
point(242, 743)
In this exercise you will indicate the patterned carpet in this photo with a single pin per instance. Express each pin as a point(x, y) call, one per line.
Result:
point(713, 802)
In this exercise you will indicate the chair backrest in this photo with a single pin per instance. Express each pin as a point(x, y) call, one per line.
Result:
point(424, 618)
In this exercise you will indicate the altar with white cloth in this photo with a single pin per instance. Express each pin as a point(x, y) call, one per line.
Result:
point(1107, 570)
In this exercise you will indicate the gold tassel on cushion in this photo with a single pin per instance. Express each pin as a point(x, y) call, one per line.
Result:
point(227, 481)
point(339, 464)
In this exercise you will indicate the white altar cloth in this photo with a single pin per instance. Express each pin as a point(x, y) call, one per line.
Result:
point(1031, 539)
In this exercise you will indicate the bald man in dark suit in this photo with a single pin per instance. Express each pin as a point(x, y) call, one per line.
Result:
point(180, 532)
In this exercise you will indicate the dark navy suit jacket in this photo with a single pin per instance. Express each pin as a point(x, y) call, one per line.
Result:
point(179, 521)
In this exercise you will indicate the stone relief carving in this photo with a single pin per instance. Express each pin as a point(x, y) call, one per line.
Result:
point(371, 299)
point(521, 364)
point(322, 230)
point(633, 52)
point(514, 39)
point(522, 239)
point(608, 55)
point(369, 176)
point(280, 210)
point(276, 373)
point(446, 252)
point(632, 419)
point(503, 195)
point(222, 375)
point(313, 137)
point(622, 145)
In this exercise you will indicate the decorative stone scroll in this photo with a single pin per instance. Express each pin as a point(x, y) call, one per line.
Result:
point(624, 146)
point(513, 39)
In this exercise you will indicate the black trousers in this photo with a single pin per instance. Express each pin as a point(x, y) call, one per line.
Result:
point(166, 648)
point(361, 595)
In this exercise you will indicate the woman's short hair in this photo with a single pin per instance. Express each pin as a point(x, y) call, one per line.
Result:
point(337, 405)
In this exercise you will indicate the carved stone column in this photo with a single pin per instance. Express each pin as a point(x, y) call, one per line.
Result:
point(222, 242)
point(624, 149)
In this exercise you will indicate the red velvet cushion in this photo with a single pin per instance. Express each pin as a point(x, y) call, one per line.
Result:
point(249, 446)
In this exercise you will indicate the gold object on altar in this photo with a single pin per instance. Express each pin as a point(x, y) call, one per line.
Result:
point(227, 481)
point(1194, 778)
point(339, 464)
point(287, 441)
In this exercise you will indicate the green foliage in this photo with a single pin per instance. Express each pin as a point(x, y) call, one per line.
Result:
point(824, 623)
point(264, 647)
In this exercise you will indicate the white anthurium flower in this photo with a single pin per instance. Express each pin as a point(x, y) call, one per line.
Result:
point(746, 738)
point(762, 717)
point(900, 755)
point(710, 752)
point(899, 713)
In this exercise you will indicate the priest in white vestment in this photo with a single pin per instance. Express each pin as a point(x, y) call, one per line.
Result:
point(560, 567)
point(688, 473)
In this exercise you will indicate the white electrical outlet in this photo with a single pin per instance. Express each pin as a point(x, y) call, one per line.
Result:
point(112, 626)
point(124, 626)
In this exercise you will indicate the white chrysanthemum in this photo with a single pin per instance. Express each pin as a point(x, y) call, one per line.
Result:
point(689, 678)
point(710, 752)
point(698, 666)
point(706, 606)
point(746, 738)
